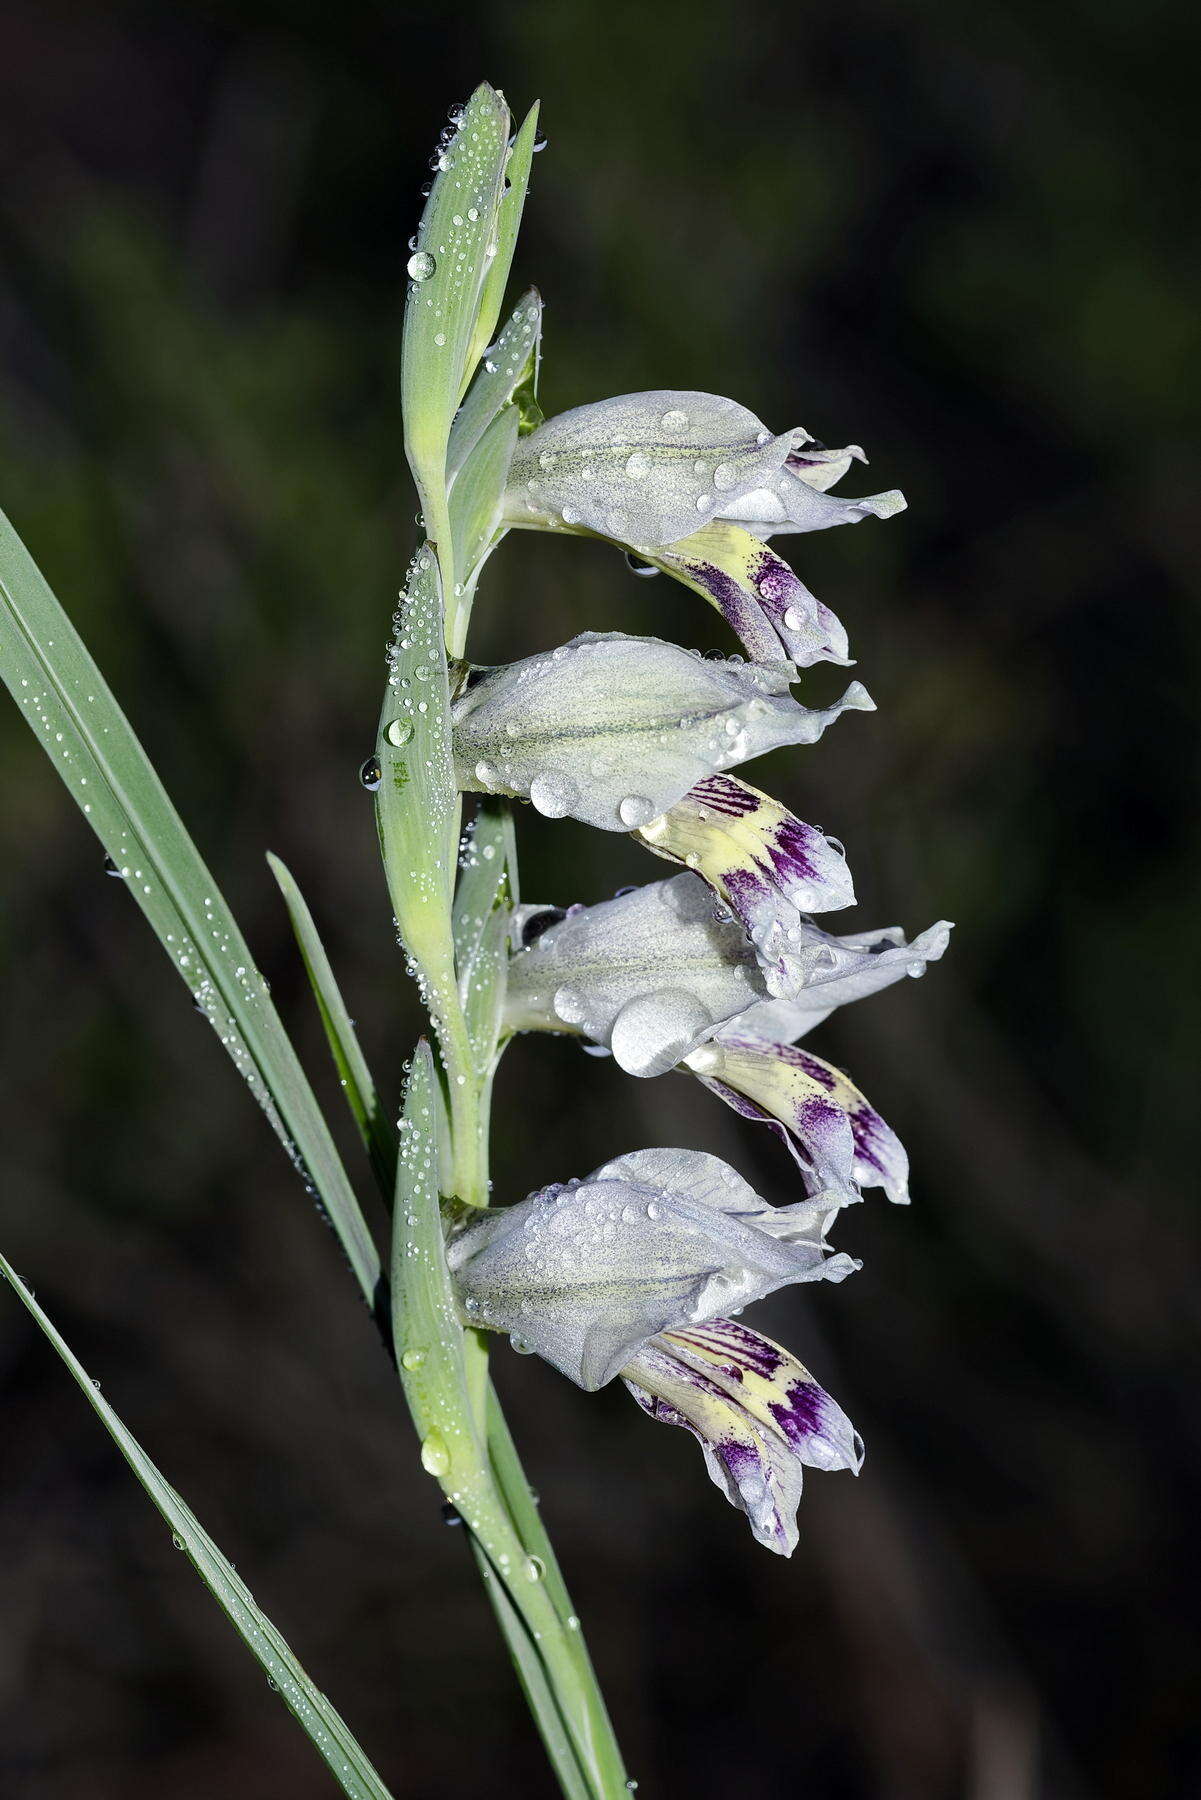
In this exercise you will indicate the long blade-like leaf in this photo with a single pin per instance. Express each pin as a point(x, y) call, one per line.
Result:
point(537, 1689)
point(69, 706)
point(347, 1762)
point(361, 1096)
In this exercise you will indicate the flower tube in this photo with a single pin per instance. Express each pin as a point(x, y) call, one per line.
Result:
point(612, 730)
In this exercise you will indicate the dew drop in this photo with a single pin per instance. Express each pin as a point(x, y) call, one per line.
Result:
point(636, 566)
point(636, 810)
point(539, 143)
point(370, 774)
point(568, 1005)
point(637, 465)
point(793, 620)
point(704, 502)
point(421, 265)
point(534, 1568)
point(412, 1359)
point(674, 422)
point(399, 733)
point(724, 477)
point(435, 1457)
point(521, 1345)
point(652, 1033)
point(110, 868)
point(552, 795)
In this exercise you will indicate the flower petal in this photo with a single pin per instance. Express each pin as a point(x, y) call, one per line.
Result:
point(757, 1413)
point(790, 503)
point(820, 467)
point(840, 1142)
point(767, 865)
point(613, 730)
point(647, 974)
point(858, 965)
point(584, 1273)
point(642, 468)
point(757, 593)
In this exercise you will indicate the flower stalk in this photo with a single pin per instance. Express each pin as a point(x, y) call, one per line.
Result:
point(638, 1271)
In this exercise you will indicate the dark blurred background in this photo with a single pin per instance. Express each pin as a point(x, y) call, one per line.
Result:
point(961, 235)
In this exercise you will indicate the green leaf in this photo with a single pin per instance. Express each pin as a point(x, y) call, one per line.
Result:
point(378, 1137)
point(449, 269)
point(433, 1365)
point(346, 1761)
point(509, 366)
point(508, 224)
point(425, 1324)
point(417, 799)
point(539, 1694)
point(477, 498)
point(486, 892)
point(69, 706)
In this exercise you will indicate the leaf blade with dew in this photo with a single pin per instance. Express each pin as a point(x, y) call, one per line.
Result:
point(509, 366)
point(447, 272)
point(433, 1368)
point(531, 1674)
point(516, 177)
point(345, 1759)
point(56, 683)
point(416, 797)
point(361, 1096)
point(486, 893)
point(476, 503)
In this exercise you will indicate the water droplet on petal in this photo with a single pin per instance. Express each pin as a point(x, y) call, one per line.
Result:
point(637, 465)
point(652, 1033)
point(568, 1005)
point(553, 795)
point(724, 477)
point(674, 422)
point(636, 810)
point(421, 265)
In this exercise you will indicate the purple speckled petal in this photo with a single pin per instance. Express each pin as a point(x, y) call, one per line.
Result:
point(757, 1413)
point(768, 866)
point(756, 592)
point(837, 1138)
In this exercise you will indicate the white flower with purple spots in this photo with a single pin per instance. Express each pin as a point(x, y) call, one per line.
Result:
point(631, 1272)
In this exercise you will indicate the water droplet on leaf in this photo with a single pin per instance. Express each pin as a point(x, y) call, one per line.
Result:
point(421, 265)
